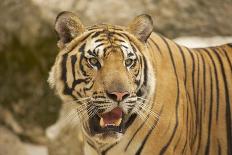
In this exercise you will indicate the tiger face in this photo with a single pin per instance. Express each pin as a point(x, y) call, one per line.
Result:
point(103, 69)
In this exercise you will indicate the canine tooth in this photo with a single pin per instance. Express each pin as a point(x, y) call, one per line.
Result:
point(117, 123)
point(102, 124)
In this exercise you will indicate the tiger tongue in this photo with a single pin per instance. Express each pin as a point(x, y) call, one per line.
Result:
point(112, 117)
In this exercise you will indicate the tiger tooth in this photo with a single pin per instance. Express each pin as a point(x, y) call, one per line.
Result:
point(102, 124)
point(118, 122)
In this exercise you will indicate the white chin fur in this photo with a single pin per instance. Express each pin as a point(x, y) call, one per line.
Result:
point(103, 139)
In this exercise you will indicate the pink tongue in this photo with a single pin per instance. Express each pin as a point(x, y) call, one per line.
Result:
point(112, 116)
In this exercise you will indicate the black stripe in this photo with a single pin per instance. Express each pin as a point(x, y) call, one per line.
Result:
point(81, 66)
point(93, 28)
point(133, 47)
point(124, 46)
point(193, 137)
point(145, 71)
point(88, 88)
point(78, 81)
point(227, 98)
point(185, 81)
point(177, 143)
point(135, 133)
point(203, 94)
point(187, 118)
point(106, 150)
point(96, 34)
point(149, 132)
point(130, 121)
point(121, 35)
point(73, 61)
point(139, 129)
point(210, 114)
point(182, 152)
point(227, 57)
point(198, 80)
point(219, 148)
point(164, 149)
point(120, 40)
point(91, 53)
point(204, 77)
point(82, 48)
point(157, 46)
point(184, 62)
point(91, 145)
point(63, 66)
point(193, 73)
point(99, 45)
point(185, 69)
point(106, 49)
point(67, 90)
point(117, 29)
point(198, 107)
point(217, 81)
point(101, 102)
point(146, 138)
point(99, 40)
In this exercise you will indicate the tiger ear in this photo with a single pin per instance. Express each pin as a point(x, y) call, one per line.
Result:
point(68, 26)
point(141, 27)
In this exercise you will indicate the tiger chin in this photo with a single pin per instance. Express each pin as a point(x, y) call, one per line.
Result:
point(137, 92)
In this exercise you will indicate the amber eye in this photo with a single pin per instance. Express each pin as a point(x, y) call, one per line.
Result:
point(129, 62)
point(94, 62)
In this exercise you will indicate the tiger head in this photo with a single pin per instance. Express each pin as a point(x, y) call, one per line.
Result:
point(104, 69)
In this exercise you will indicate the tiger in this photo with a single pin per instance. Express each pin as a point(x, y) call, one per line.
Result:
point(137, 92)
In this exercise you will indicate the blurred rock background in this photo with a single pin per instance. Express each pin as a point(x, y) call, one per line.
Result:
point(28, 48)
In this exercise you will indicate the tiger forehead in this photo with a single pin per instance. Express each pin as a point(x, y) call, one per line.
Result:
point(109, 35)
point(101, 42)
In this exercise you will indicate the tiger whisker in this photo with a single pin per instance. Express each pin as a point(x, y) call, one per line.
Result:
point(143, 118)
point(149, 111)
point(142, 99)
point(150, 125)
point(145, 107)
point(82, 116)
point(83, 110)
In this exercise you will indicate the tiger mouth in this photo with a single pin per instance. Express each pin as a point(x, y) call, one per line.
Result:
point(112, 121)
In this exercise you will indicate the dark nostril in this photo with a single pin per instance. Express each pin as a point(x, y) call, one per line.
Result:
point(112, 96)
point(118, 96)
point(125, 96)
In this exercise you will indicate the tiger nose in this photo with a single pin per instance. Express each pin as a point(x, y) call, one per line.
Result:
point(118, 96)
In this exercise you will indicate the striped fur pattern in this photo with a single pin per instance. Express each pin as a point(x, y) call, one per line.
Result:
point(180, 98)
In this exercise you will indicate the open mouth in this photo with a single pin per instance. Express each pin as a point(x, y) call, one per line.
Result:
point(108, 122)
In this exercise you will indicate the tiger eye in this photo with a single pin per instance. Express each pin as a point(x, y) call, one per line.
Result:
point(129, 62)
point(93, 61)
